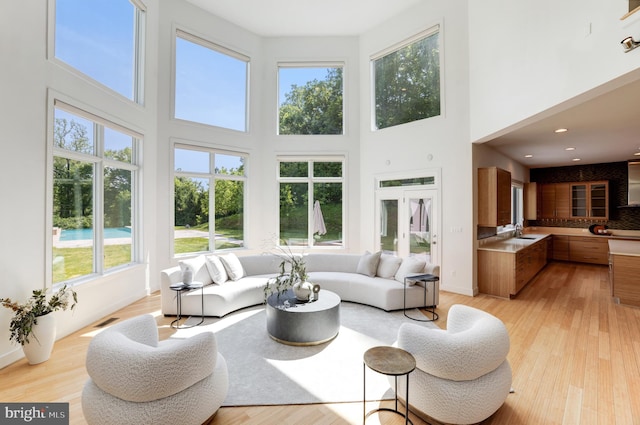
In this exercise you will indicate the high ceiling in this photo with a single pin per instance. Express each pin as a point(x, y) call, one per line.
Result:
point(603, 125)
point(298, 18)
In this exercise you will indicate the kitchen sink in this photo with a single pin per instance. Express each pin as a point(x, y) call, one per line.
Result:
point(526, 237)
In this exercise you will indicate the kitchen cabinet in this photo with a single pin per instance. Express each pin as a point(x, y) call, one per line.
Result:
point(532, 201)
point(494, 197)
point(556, 200)
point(590, 200)
point(588, 249)
point(561, 247)
point(624, 268)
point(505, 273)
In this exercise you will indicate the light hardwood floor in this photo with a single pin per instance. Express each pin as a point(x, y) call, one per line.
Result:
point(575, 356)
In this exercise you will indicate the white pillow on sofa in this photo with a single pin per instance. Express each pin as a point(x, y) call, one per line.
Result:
point(233, 266)
point(198, 267)
point(368, 263)
point(216, 269)
point(410, 266)
point(388, 266)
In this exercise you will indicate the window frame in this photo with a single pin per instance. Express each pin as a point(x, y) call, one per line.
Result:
point(139, 48)
point(436, 28)
point(212, 176)
point(310, 179)
point(194, 37)
point(312, 64)
point(100, 162)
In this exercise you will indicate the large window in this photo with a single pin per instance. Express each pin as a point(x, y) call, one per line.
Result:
point(310, 99)
point(311, 201)
point(210, 83)
point(406, 81)
point(95, 173)
point(104, 40)
point(208, 180)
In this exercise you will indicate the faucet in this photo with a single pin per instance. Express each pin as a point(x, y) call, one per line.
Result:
point(518, 230)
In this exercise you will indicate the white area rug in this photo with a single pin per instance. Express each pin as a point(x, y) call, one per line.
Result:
point(265, 372)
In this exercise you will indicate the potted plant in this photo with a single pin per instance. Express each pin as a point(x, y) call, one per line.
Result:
point(292, 275)
point(32, 325)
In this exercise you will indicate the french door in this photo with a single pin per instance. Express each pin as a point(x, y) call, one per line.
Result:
point(408, 222)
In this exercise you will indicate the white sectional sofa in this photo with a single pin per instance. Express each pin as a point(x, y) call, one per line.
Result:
point(372, 279)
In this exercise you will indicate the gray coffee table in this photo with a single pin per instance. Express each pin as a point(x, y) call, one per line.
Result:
point(292, 322)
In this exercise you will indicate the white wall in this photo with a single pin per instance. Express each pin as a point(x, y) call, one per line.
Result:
point(529, 57)
point(28, 82)
point(446, 138)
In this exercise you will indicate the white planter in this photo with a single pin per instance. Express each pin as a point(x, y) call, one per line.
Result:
point(303, 290)
point(41, 340)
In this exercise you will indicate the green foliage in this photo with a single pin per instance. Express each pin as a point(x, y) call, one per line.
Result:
point(407, 84)
point(315, 108)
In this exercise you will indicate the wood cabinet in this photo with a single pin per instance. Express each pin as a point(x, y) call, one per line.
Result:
point(532, 201)
point(494, 197)
point(586, 249)
point(504, 274)
point(561, 247)
point(624, 279)
point(590, 200)
point(556, 200)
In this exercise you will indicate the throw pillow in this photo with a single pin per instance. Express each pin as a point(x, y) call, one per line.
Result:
point(198, 267)
point(388, 266)
point(410, 266)
point(233, 266)
point(216, 269)
point(368, 264)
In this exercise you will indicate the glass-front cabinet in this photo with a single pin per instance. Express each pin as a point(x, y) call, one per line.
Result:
point(590, 200)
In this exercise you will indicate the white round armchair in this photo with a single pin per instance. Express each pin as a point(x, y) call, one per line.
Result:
point(462, 375)
point(136, 379)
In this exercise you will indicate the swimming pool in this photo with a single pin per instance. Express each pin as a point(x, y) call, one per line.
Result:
point(82, 234)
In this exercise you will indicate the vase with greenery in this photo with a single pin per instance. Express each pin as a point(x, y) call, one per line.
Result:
point(33, 313)
point(292, 273)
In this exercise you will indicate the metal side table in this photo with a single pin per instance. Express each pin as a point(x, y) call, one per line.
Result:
point(391, 361)
point(180, 288)
point(426, 279)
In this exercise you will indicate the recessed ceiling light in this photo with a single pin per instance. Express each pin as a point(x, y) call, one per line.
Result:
point(576, 159)
point(570, 149)
point(561, 130)
point(637, 154)
point(531, 156)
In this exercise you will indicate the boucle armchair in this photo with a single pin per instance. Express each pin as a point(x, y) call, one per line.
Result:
point(136, 379)
point(462, 375)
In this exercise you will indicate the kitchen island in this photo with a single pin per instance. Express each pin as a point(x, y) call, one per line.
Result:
point(624, 269)
point(506, 266)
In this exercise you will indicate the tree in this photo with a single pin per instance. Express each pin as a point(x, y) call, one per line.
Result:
point(315, 108)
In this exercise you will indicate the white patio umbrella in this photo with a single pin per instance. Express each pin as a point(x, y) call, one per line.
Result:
point(318, 220)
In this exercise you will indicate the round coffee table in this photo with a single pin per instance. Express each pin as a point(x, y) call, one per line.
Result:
point(294, 322)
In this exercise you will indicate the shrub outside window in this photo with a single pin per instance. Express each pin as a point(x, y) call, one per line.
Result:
point(311, 202)
point(94, 191)
point(210, 83)
point(310, 99)
point(104, 40)
point(406, 80)
point(206, 179)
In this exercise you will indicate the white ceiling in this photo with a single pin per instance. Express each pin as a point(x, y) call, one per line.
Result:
point(603, 125)
point(298, 18)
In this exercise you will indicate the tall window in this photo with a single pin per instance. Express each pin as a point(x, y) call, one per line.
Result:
point(310, 99)
point(208, 180)
point(94, 190)
point(406, 81)
point(311, 201)
point(517, 202)
point(210, 83)
point(103, 39)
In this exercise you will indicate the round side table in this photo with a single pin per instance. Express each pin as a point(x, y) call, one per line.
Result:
point(389, 361)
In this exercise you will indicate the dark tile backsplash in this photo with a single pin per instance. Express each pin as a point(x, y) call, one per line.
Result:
point(614, 172)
